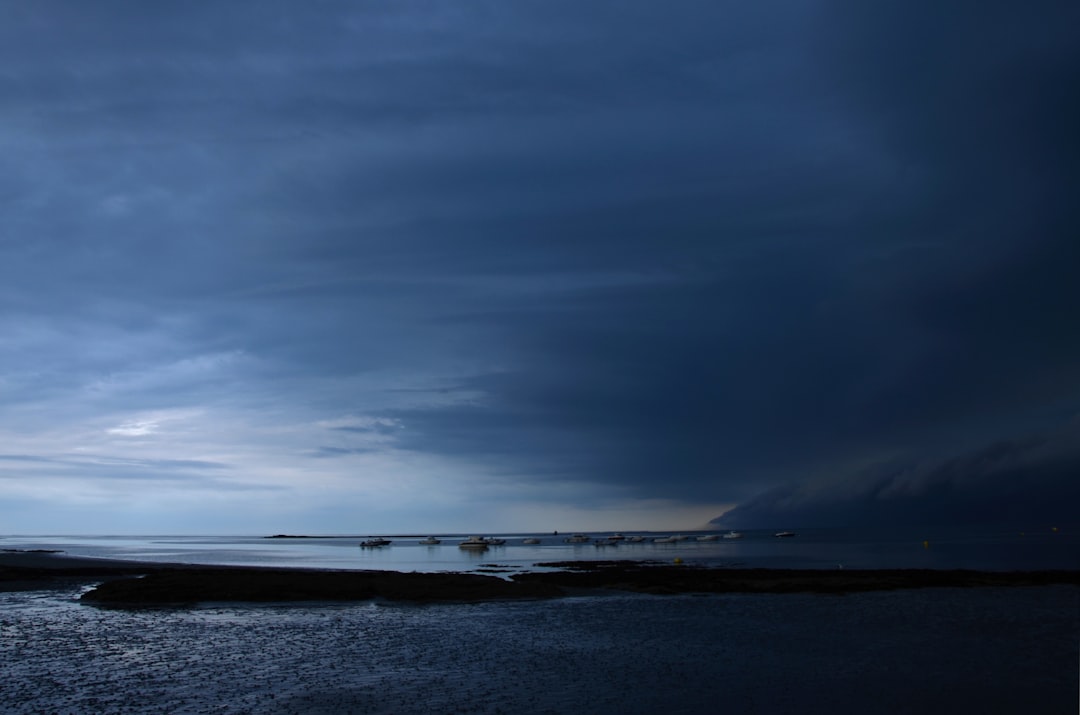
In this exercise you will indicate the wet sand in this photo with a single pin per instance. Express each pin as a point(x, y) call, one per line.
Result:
point(663, 578)
point(145, 583)
point(161, 584)
point(30, 570)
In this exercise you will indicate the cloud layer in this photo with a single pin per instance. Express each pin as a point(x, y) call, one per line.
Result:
point(415, 264)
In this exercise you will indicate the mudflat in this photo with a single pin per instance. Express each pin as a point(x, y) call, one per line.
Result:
point(664, 578)
point(31, 570)
point(165, 584)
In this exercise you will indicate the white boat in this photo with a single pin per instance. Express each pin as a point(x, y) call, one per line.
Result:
point(495, 542)
point(636, 539)
point(617, 537)
point(782, 534)
point(733, 534)
point(530, 540)
point(430, 541)
point(374, 543)
point(577, 539)
point(709, 537)
point(606, 542)
point(477, 543)
point(666, 540)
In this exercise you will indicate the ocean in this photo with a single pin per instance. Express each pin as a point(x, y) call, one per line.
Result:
point(986, 650)
point(997, 549)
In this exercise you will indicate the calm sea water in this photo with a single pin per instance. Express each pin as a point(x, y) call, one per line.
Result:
point(1005, 548)
point(922, 651)
point(918, 651)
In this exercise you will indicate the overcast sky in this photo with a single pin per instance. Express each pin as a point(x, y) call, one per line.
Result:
point(342, 267)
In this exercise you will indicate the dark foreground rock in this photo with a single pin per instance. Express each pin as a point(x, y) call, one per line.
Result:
point(180, 586)
point(650, 577)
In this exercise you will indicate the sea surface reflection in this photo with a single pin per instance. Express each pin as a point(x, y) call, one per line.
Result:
point(1003, 548)
point(924, 651)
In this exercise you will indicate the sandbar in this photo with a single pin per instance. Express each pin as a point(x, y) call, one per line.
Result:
point(129, 583)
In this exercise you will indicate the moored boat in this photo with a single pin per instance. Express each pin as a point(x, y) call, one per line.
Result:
point(577, 539)
point(476, 543)
point(784, 534)
point(530, 540)
point(430, 541)
point(374, 543)
point(709, 537)
point(733, 535)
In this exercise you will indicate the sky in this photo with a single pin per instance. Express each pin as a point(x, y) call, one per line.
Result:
point(345, 268)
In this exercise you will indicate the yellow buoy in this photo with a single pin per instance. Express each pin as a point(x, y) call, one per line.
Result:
point(678, 560)
point(926, 544)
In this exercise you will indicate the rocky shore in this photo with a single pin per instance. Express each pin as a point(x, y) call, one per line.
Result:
point(140, 584)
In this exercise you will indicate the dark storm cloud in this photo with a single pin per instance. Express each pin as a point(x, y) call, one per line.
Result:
point(907, 291)
point(688, 252)
point(1029, 480)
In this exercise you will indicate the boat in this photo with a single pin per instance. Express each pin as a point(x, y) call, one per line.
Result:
point(430, 541)
point(709, 537)
point(733, 534)
point(666, 540)
point(577, 539)
point(374, 543)
point(617, 537)
point(495, 542)
point(636, 539)
point(609, 541)
point(477, 543)
point(530, 540)
point(783, 534)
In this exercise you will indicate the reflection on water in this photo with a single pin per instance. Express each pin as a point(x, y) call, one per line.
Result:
point(922, 651)
point(995, 549)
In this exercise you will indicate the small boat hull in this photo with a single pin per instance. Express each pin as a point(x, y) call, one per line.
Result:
point(474, 543)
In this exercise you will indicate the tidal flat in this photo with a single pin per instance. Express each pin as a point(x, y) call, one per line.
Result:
point(931, 650)
point(573, 637)
point(130, 584)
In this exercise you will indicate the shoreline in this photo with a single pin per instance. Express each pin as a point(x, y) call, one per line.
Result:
point(182, 584)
